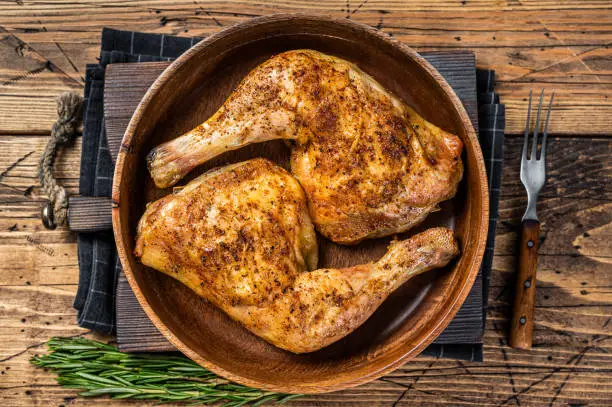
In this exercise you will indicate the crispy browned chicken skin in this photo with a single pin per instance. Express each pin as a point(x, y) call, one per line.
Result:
point(241, 237)
point(369, 164)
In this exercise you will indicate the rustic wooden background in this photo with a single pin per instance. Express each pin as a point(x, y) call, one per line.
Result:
point(565, 45)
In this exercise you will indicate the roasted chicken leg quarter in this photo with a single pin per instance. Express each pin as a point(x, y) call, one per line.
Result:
point(241, 237)
point(369, 164)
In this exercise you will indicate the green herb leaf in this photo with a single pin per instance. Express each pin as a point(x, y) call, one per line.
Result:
point(99, 369)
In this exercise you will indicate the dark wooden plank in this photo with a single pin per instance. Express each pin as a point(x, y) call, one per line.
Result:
point(458, 68)
point(124, 86)
point(135, 332)
point(89, 214)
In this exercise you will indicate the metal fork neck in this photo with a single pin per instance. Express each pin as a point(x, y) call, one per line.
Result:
point(530, 213)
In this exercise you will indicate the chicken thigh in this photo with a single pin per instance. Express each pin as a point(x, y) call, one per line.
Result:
point(369, 164)
point(241, 237)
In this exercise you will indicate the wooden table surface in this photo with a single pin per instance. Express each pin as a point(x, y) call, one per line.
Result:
point(563, 45)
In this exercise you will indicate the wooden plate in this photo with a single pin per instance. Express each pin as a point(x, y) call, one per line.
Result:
point(186, 94)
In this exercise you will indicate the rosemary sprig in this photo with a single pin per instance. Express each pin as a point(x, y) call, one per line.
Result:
point(100, 369)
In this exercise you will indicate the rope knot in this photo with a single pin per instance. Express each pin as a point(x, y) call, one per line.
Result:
point(65, 129)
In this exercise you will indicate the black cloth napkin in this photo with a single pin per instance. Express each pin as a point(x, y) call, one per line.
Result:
point(98, 261)
point(99, 266)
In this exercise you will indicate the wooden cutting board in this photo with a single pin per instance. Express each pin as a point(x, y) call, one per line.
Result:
point(126, 84)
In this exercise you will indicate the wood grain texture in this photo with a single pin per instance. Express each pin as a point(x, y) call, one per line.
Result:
point(125, 84)
point(537, 43)
point(186, 94)
point(89, 214)
point(569, 363)
point(521, 325)
point(531, 44)
point(124, 87)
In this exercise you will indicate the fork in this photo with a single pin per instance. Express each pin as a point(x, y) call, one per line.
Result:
point(533, 176)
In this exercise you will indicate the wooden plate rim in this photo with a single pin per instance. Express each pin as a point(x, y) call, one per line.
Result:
point(329, 385)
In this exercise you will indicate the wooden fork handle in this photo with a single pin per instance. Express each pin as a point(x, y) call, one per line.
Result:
point(521, 328)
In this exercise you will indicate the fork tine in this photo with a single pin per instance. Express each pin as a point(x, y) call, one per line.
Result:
point(524, 154)
point(545, 135)
point(534, 146)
